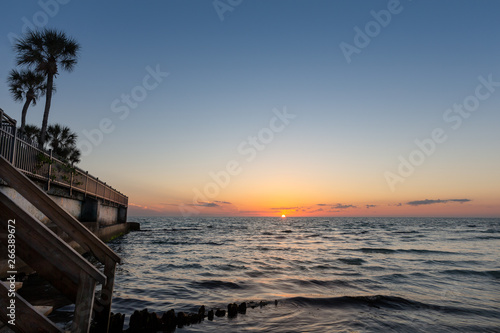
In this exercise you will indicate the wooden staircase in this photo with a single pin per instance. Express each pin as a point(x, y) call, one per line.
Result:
point(54, 259)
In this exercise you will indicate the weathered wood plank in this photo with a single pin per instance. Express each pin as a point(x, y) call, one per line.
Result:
point(103, 306)
point(24, 310)
point(83, 305)
point(55, 213)
point(18, 285)
point(44, 309)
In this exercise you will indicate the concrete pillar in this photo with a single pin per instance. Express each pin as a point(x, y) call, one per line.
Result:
point(90, 210)
point(122, 214)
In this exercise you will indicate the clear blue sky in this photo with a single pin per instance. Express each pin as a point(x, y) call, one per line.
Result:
point(353, 119)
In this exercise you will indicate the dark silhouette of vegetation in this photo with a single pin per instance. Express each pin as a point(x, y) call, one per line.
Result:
point(63, 143)
point(31, 133)
point(60, 139)
point(47, 51)
point(26, 85)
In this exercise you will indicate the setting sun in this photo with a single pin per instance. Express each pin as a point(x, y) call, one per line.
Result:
point(283, 216)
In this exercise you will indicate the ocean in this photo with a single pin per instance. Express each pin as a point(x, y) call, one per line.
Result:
point(327, 274)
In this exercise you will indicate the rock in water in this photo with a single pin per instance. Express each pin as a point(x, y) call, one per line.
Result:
point(242, 308)
point(154, 323)
point(135, 322)
point(211, 315)
point(194, 318)
point(169, 320)
point(116, 322)
point(201, 312)
point(232, 310)
point(253, 305)
point(220, 313)
point(182, 319)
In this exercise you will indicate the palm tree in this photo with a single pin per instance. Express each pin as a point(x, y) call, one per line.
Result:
point(62, 140)
point(74, 156)
point(32, 133)
point(45, 51)
point(26, 84)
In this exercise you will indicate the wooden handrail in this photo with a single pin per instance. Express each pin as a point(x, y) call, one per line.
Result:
point(69, 224)
point(54, 260)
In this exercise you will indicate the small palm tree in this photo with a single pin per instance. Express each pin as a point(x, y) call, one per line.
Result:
point(74, 156)
point(26, 84)
point(46, 50)
point(62, 140)
point(32, 133)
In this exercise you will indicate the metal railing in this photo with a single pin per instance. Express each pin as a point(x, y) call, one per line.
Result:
point(41, 165)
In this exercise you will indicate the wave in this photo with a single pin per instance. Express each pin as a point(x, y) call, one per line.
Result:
point(387, 251)
point(487, 237)
point(212, 243)
point(352, 261)
point(230, 267)
point(385, 302)
point(491, 274)
point(215, 284)
point(167, 267)
point(376, 250)
point(322, 283)
point(373, 301)
point(169, 229)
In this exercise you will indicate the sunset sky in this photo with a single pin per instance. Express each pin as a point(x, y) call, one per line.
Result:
point(263, 108)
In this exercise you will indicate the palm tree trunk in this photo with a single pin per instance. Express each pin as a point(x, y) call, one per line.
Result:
point(48, 100)
point(23, 114)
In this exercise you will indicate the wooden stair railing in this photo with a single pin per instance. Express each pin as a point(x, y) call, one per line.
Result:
point(54, 260)
point(72, 227)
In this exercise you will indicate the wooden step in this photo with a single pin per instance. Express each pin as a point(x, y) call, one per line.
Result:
point(18, 285)
point(45, 310)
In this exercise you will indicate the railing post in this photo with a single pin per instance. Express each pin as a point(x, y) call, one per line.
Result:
point(71, 184)
point(49, 171)
point(86, 182)
point(2, 140)
point(84, 303)
point(106, 296)
point(13, 149)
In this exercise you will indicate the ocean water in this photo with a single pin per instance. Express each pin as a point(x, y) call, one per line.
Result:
point(328, 274)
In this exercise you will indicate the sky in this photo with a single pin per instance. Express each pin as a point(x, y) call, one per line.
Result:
point(271, 107)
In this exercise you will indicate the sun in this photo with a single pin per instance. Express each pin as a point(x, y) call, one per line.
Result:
point(283, 216)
